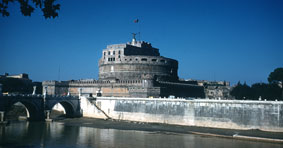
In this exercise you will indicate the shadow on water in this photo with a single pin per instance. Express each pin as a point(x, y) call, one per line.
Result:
point(57, 134)
point(57, 115)
point(37, 134)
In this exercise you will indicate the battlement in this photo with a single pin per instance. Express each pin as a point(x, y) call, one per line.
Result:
point(141, 44)
point(106, 82)
point(141, 60)
point(53, 83)
point(116, 46)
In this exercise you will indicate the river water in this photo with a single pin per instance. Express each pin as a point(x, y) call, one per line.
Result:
point(56, 134)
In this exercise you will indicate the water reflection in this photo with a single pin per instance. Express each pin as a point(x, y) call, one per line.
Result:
point(41, 134)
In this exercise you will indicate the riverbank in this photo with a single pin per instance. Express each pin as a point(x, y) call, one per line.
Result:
point(255, 135)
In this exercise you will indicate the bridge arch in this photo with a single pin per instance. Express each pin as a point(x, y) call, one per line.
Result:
point(39, 107)
point(68, 107)
point(32, 110)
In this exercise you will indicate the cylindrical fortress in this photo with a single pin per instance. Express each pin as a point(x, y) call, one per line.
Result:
point(134, 69)
point(134, 60)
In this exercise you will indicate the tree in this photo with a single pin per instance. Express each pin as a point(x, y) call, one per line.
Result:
point(236, 90)
point(274, 92)
point(277, 77)
point(241, 91)
point(269, 91)
point(48, 7)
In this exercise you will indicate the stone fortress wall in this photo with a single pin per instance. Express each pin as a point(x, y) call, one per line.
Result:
point(135, 59)
point(136, 65)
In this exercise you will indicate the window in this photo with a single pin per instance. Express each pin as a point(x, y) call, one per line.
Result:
point(162, 61)
point(119, 57)
point(104, 53)
point(113, 52)
point(143, 59)
point(108, 52)
point(153, 60)
point(136, 59)
point(111, 59)
point(119, 52)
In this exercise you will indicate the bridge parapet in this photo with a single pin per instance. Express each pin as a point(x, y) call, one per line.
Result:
point(62, 97)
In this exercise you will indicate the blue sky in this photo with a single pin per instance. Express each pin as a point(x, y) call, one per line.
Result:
point(232, 40)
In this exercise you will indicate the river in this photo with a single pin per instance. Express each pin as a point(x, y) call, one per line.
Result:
point(56, 134)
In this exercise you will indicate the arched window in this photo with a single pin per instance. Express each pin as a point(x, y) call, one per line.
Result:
point(143, 59)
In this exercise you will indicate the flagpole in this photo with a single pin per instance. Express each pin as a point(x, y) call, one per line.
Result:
point(59, 73)
point(139, 31)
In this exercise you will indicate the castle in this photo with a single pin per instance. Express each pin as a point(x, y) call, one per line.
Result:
point(134, 69)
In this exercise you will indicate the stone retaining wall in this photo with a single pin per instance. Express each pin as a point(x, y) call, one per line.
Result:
point(231, 114)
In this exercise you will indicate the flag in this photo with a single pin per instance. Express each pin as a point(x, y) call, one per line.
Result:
point(136, 20)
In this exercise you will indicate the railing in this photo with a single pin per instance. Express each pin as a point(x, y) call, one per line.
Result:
point(38, 96)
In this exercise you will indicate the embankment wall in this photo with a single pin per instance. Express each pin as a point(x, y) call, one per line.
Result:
point(229, 114)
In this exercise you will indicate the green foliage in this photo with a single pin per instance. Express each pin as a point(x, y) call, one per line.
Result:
point(266, 91)
point(276, 75)
point(48, 7)
point(270, 91)
point(241, 91)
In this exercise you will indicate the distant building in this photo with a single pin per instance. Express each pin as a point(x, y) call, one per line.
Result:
point(134, 69)
point(216, 89)
point(19, 83)
point(18, 76)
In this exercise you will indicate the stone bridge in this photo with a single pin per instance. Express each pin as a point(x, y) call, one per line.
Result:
point(40, 106)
